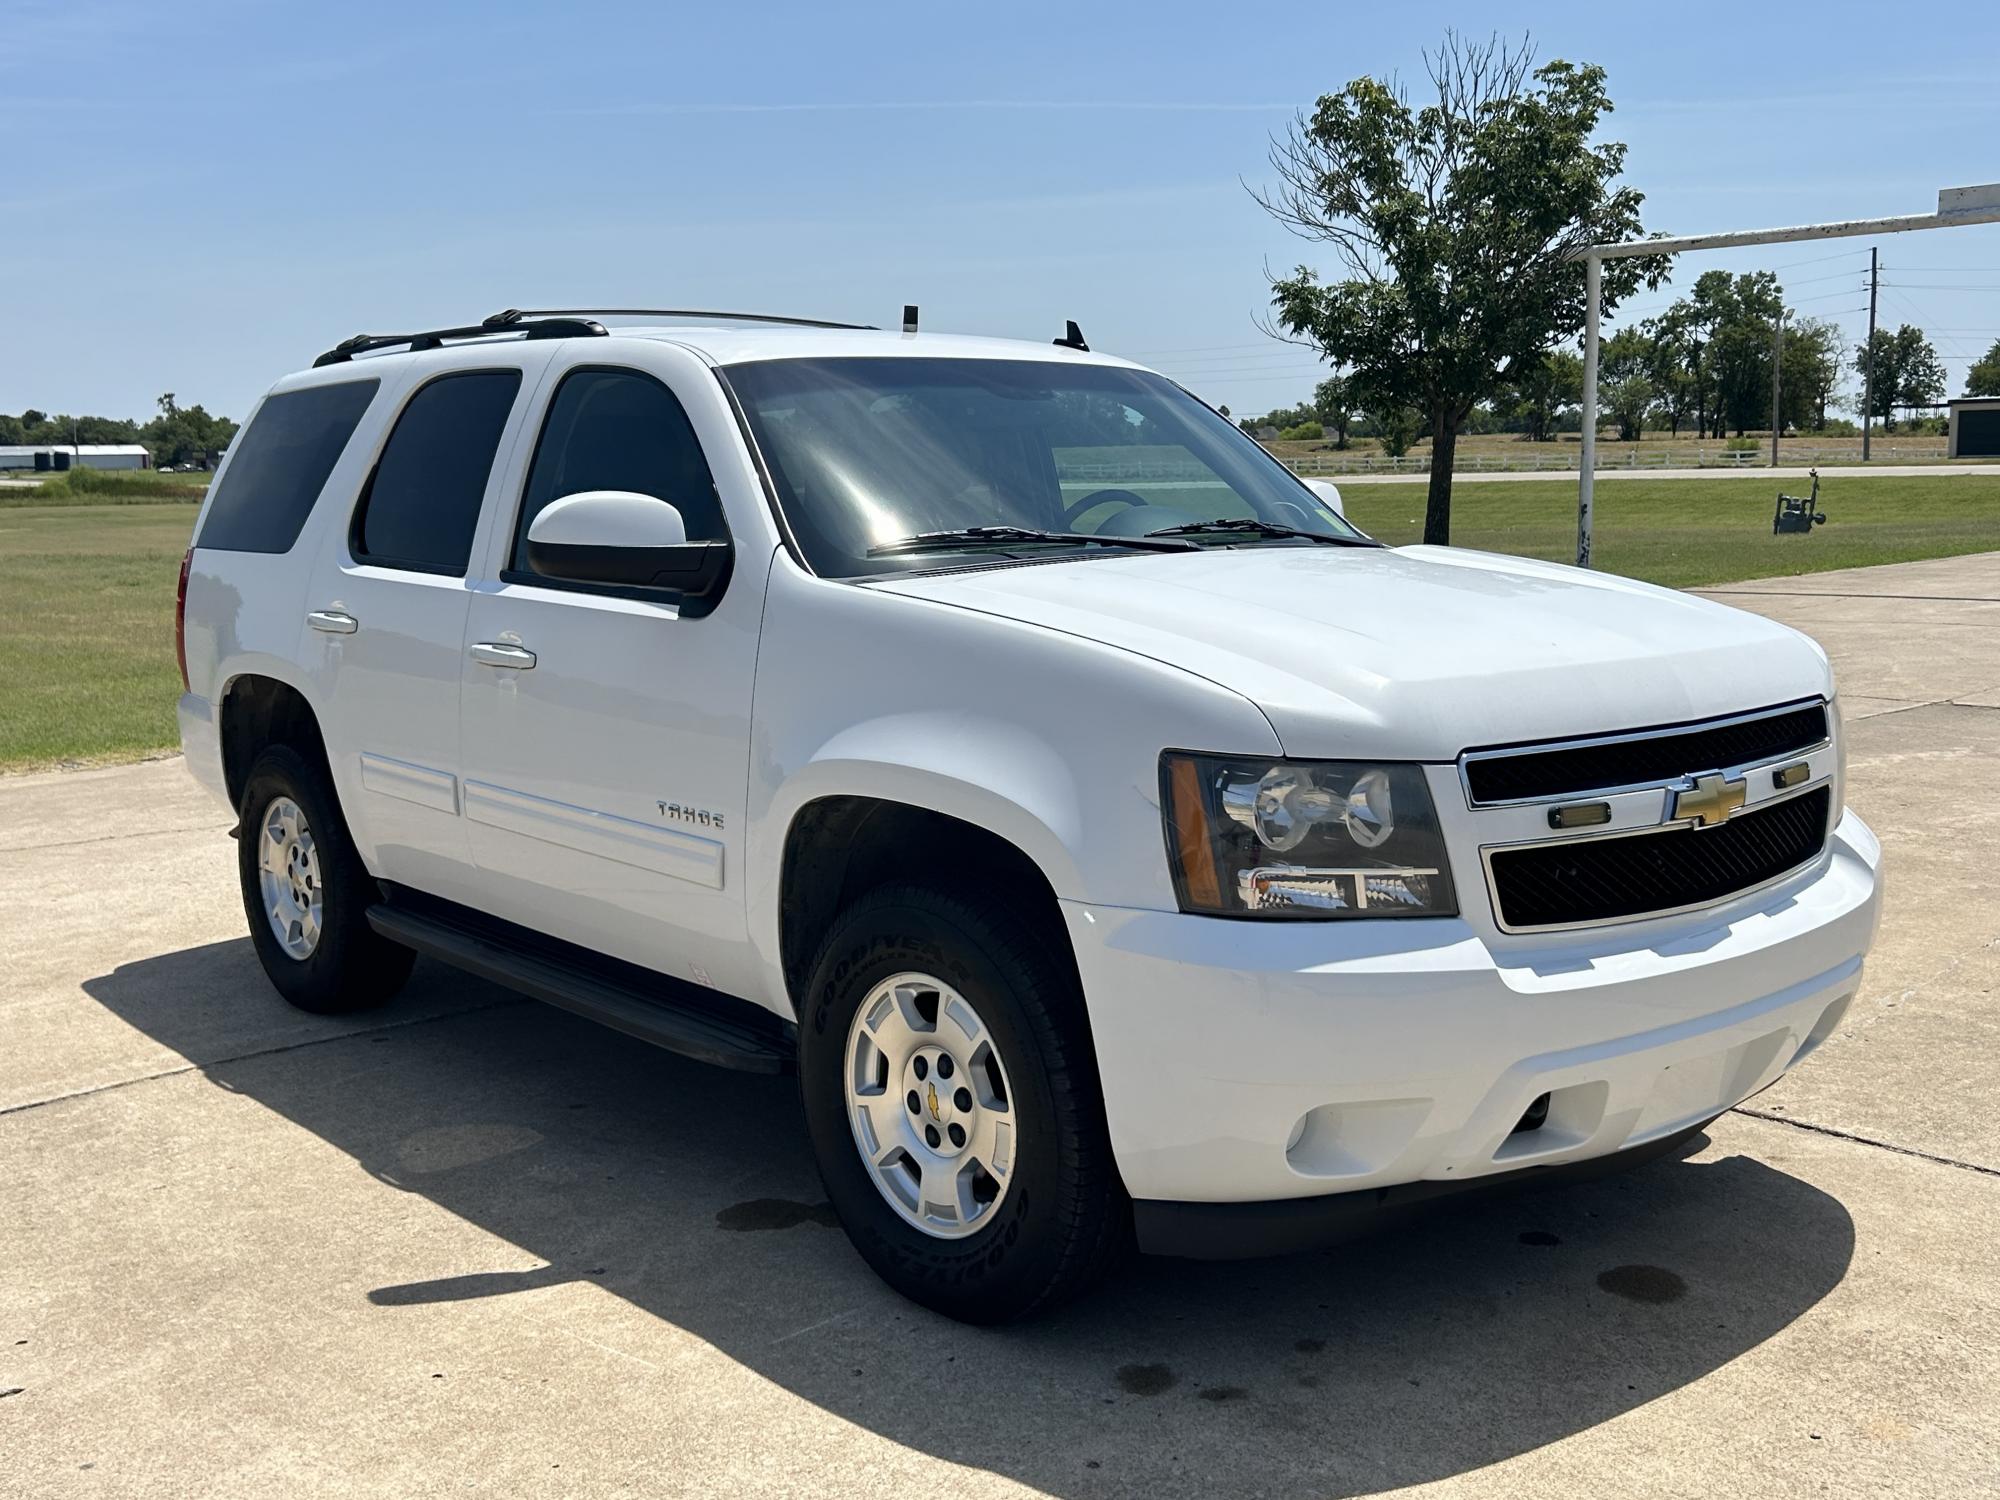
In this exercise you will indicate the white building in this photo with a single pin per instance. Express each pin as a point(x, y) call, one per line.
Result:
point(86, 456)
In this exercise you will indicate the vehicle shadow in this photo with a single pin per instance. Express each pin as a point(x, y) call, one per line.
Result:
point(1433, 1349)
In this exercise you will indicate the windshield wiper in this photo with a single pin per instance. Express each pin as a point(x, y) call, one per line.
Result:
point(1015, 536)
point(1251, 526)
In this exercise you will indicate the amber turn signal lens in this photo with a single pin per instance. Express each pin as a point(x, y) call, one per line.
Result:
point(1199, 877)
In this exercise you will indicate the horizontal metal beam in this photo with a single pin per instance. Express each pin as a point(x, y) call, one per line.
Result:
point(1980, 209)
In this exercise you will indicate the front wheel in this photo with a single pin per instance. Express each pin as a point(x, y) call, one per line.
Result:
point(306, 892)
point(950, 1088)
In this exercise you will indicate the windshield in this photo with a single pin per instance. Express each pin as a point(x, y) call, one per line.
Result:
point(869, 452)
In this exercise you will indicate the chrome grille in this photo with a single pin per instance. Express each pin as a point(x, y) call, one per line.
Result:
point(1576, 882)
point(1636, 758)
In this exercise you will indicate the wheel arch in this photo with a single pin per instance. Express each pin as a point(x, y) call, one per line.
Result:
point(840, 845)
point(255, 709)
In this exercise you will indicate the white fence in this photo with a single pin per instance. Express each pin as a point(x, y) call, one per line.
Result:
point(1559, 462)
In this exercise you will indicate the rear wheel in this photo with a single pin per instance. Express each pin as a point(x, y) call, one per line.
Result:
point(306, 893)
point(950, 1088)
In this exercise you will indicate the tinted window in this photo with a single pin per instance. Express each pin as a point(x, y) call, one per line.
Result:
point(619, 430)
point(867, 451)
point(422, 504)
point(279, 466)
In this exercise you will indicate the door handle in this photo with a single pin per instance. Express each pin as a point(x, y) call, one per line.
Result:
point(333, 621)
point(497, 654)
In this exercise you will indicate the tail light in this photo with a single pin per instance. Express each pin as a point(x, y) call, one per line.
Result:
point(180, 619)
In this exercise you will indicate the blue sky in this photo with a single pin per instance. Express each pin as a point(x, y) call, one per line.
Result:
point(199, 197)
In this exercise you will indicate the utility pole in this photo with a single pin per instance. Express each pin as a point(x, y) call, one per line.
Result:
point(1777, 374)
point(1868, 370)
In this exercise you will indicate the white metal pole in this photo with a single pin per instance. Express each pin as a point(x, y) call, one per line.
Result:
point(1777, 374)
point(1956, 207)
point(1593, 277)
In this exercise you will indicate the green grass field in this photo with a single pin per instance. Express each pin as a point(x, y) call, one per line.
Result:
point(87, 630)
point(87, 588)
point(1688, 532)
point(104, 487)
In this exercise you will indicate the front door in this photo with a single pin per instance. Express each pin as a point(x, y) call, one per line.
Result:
point(606, 733)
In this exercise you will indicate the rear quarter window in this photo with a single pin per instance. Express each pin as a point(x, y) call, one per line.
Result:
point(280, 465)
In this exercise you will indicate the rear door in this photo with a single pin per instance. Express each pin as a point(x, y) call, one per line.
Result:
point(387, 612)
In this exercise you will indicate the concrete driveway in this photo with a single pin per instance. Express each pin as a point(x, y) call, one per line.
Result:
point(472, 1245)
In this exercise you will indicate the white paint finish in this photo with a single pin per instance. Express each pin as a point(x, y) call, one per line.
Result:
point(390, 688)
point(1214, 1039)
point(201, 745)
point(1410, 654)
point(608, 518)
point(1051, 741)
point(600, 835)
point(1328, 491)
point(628, 706)
point(423, 785)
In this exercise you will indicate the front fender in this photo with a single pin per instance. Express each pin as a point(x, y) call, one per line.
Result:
point(1045, 739)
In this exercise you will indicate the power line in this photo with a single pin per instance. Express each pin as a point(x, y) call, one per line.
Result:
point(1816, 260)
point(1938, 286)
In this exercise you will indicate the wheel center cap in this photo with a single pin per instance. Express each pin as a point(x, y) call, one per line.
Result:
point(939, 1106)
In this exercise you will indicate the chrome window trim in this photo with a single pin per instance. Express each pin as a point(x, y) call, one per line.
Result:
point(1690, 825)
point(1658, 731)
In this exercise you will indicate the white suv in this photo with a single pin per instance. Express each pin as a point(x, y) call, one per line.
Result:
point(1114, 839)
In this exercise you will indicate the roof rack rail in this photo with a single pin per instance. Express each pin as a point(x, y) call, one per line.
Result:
point(551, 328)
point(516, 313)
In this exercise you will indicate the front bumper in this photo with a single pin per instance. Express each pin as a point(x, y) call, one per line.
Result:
point(1243, 1062)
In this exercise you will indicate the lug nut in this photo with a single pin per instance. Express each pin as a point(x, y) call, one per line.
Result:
point(944, 1067)
point(923, 1069)
point(916, 1104)
point(958, 1135)
point(931, 1136)
point(962, 1101)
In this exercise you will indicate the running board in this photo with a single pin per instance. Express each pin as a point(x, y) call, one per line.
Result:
point(653, 1007)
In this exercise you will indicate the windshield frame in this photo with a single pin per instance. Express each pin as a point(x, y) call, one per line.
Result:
point(1237, 444)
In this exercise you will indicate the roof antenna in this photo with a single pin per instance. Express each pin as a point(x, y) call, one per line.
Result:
point(909, 317)
point(1072, 337)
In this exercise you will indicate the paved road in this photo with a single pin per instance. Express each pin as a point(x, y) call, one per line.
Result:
point(471, 1245)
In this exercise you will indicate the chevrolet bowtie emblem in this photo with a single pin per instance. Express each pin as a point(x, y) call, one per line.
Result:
point(933, 1098)
point(1710, 801)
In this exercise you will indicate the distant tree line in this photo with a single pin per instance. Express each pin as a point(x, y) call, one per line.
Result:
point(1704, 365)
point(177, 435)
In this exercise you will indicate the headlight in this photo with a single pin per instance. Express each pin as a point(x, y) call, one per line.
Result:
point(1297, 838)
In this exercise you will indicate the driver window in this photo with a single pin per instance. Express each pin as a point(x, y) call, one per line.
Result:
point(1115, 452)
point(616, 429)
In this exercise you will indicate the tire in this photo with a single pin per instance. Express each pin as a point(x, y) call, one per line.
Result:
point(342, 964)
point(1062, 1216)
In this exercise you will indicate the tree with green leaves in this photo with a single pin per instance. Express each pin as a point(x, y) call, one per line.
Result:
point(1983, 379)
point(1333, 399)
point(1396, 428)
point(1626, 381)
point(1907, 372)
point(1814, 363)
point(1456, 225)
point(1544, 389)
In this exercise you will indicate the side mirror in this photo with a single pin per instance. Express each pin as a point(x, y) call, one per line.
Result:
point(1328, 491)
point(625, 540)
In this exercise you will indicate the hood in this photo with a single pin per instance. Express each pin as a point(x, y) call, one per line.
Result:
point(1411, 653)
